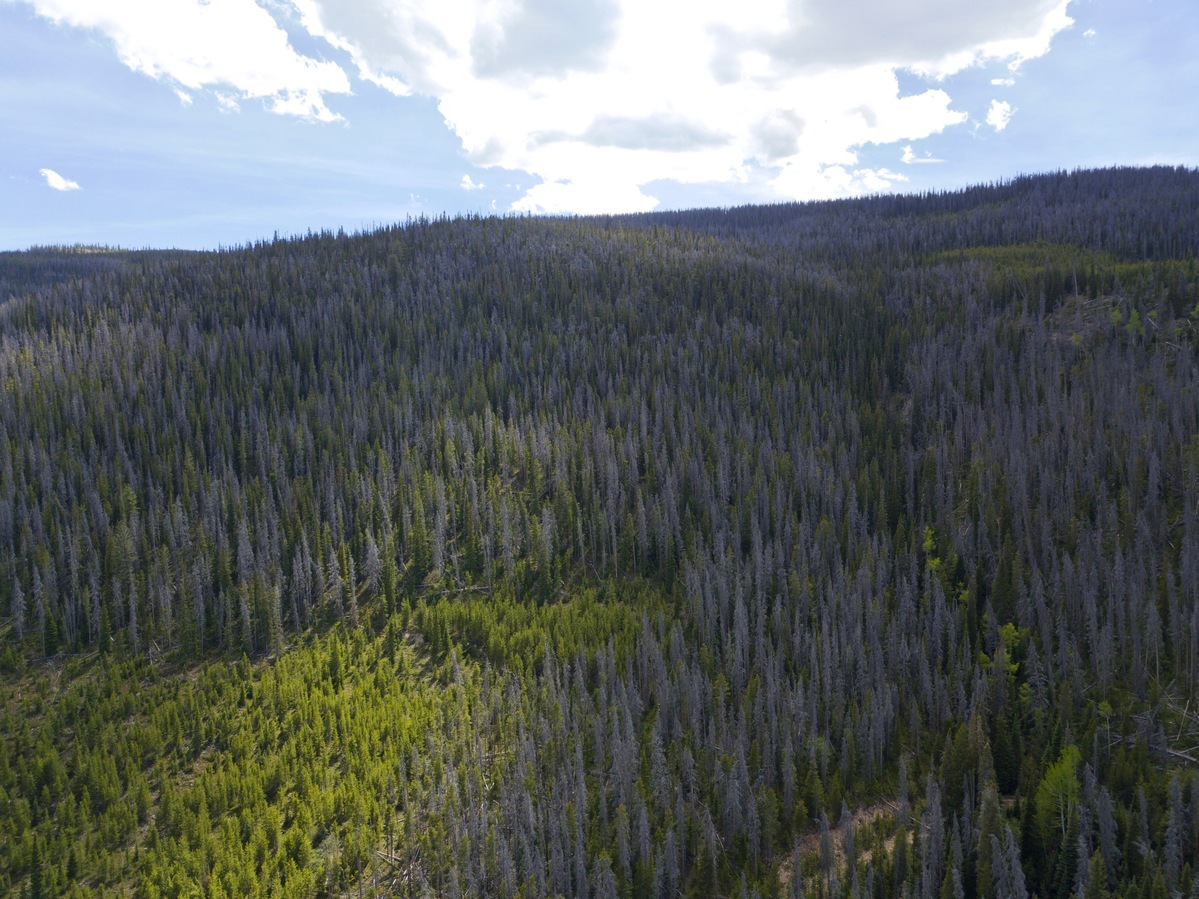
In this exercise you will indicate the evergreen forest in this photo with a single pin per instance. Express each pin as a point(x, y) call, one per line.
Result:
point(840, 550)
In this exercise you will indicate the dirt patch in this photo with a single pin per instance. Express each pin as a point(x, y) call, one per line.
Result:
point(809, 843)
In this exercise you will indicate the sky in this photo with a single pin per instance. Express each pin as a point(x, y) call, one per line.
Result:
point(214, 123)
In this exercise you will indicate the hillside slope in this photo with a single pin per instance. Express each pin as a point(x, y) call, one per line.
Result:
point(615, 557)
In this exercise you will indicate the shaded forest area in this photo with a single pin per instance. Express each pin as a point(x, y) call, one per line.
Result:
point(843, 549)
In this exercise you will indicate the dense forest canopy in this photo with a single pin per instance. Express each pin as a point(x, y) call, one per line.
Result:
point(842, 549)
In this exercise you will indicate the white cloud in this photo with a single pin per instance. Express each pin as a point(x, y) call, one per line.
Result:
point(586, 196)
point(1014, 32)
point(199, 44)
point(469, 183)
point(1003, 82)
point(57, 181)
point(600, 98)
point(910, 158)
point(1000, 114)
point(1090, 32)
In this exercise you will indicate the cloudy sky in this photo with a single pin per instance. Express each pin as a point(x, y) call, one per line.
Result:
point(205, 123)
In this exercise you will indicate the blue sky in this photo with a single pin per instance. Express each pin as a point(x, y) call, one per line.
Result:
point(206, 123)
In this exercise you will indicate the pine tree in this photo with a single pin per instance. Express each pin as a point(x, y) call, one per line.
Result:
point(1096, 881)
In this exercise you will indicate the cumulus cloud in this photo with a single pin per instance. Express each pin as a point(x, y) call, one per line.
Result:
point(57, 181)
point(1034, 42)
point(469, 183)
point(999, 114)
point(599, 99)
point(201, 44)
point(937, 36)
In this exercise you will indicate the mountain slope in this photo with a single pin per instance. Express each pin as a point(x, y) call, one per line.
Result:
point(615, 555)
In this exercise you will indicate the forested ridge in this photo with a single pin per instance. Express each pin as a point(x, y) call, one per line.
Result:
point(841, 549)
